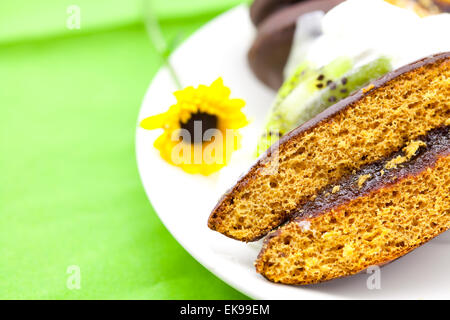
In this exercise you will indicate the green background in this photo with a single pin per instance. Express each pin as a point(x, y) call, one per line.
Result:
point(70, 193)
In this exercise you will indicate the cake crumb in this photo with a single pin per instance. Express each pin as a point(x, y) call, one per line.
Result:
point(304, 225)
point(335, 189)
point(368, 88)
point(410, 150)
point(311, 262)
point(362, 179)
point(394, 162)
point(348, 250)
point(330, 235)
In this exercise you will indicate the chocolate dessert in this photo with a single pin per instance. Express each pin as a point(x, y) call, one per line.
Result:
point(367, 127)
point(371, 217)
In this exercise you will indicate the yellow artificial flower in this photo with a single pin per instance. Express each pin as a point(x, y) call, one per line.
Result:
point(201, 129)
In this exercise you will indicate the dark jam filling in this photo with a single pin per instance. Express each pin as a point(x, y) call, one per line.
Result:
point(202, 122)
point(437, 144)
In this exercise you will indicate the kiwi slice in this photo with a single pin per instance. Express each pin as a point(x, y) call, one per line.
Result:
point(316, 92)
point(305, 83)
point(337, 90)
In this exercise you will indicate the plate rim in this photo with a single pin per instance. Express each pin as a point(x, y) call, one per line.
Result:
point(227, 280)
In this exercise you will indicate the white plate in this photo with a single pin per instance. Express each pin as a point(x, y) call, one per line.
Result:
point(183, 202)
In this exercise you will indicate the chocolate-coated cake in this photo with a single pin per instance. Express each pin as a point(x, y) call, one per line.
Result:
point(364, 128)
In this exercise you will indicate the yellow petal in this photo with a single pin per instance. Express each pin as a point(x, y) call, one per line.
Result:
point(155, 122)
point(213, 99)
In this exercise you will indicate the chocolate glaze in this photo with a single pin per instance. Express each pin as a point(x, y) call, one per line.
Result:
point(443, 5)
point(261, 9)
point(437, 145)
point(321, 118)
point(272, 45)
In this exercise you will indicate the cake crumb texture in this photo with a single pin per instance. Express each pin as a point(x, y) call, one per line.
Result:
point(336, 189)
point(410, 151)
point(363, 179)
point(370, 230)
point(367, 130)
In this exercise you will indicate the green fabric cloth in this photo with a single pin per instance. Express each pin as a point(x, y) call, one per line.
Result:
point(70, 193)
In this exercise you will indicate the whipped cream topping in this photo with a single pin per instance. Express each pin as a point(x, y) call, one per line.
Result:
point(366, 29)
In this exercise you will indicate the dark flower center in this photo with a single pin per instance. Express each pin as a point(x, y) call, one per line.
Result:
point(198, 124)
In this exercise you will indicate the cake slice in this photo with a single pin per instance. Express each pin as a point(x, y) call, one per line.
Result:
point(376, 215)
point(361, 129)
